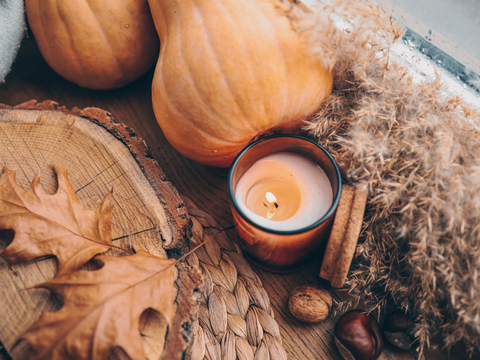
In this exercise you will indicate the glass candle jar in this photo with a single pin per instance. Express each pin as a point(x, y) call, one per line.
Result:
point(284, 191)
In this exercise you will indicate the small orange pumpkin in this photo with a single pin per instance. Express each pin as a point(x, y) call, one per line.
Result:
point(228, 71)
point(96, 44)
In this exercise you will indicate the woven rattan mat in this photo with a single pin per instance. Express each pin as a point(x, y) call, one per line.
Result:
point(235, 319)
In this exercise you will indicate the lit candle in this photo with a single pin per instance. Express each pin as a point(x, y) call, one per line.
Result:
point(284, 191)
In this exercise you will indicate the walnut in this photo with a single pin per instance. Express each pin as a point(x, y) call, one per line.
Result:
point(310, 303)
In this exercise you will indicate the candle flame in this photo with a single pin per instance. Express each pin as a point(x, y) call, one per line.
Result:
point(270, 197)
point(272, 209)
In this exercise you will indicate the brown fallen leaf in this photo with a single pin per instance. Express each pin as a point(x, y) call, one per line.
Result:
point(52, 224)
point(103, 308)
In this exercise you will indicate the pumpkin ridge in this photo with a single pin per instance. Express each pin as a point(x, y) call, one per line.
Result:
point(67, 30)
point(41, 20)
point(246, 47)
point(267, 106)
point(206, 134)
point(210, 134)
point(126, 10)
point(137, 22)
point(105, 37)
point(222, 69)
point(279, 45)
point(170, 104)
point(167, 98)
point(171, 107)
point(193, 82)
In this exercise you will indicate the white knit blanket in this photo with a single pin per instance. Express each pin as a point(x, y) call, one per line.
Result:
point(12, 30)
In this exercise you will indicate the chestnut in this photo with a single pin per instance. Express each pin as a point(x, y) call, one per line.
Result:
point(358, 336)
point(398, 330)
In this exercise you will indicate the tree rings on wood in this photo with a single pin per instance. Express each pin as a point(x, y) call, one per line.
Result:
point(99, 154)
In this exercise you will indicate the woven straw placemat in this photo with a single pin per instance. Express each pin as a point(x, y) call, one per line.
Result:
point(235, 319)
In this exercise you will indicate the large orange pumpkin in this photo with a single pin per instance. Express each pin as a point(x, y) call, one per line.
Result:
point(228, 71)
point(99, 44)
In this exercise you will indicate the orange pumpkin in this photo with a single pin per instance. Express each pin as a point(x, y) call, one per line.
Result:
point(96, 44)
point(228, 71)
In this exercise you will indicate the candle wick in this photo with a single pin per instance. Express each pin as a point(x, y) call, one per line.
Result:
point(270, 213)
point(272, 209)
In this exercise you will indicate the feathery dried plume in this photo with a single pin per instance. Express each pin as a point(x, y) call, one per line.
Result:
point(418, 152)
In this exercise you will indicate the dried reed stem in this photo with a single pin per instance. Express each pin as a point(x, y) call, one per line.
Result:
point(418, 152)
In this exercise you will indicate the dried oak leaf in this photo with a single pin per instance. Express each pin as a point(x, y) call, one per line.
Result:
point(103, 308)
point(52, 224)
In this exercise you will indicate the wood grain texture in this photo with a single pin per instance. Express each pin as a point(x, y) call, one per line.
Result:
point(99, 155)
point(31, 78)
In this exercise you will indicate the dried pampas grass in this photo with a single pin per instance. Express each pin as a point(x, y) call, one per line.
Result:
point(418, 152)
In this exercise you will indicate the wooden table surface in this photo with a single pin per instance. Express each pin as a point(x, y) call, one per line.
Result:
point(32, 78)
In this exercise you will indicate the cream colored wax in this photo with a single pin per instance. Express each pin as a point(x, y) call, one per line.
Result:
point(302, 193)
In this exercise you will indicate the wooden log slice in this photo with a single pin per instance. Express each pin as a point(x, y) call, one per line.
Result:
point(99, 154)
